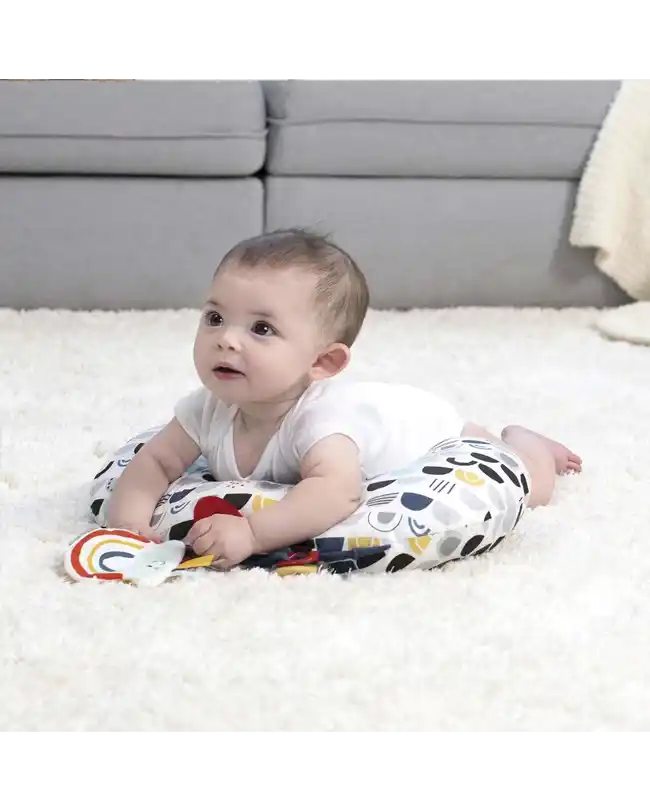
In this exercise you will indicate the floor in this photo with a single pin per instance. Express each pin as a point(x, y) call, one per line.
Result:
point(550, 632)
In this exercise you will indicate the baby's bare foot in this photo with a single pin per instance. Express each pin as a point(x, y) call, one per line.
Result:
point(566, 462)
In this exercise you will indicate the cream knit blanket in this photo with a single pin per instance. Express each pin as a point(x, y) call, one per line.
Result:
point(612, 212)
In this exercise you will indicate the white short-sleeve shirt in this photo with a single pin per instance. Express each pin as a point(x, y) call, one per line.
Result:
point(391, 424)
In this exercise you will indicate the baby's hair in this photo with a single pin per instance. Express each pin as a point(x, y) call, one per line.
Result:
point(341, 289)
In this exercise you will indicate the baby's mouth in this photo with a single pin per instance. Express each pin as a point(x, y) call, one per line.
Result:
point(226, 371)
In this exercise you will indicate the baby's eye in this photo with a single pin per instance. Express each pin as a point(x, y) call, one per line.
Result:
point(212, 318)
point(262, 328)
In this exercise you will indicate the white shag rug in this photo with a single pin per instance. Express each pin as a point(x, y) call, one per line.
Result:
point(629, 322)
point(551, 632)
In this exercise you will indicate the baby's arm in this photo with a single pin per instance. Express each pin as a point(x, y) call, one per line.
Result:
point(158, 463)
point(329, 491)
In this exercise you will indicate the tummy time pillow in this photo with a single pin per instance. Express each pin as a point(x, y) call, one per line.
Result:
point(462, 498)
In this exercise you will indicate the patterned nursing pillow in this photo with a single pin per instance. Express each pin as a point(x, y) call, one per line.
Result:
point(462, 498)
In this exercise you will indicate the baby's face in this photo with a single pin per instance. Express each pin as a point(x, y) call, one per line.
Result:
point(258, 336)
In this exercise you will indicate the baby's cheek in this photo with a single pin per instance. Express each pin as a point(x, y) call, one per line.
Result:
point(198, 351)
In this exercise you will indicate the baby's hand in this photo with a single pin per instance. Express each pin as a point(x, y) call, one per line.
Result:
point(229, 539)
point(142, 529)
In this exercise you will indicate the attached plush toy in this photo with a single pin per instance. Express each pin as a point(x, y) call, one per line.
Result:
point(121, 555)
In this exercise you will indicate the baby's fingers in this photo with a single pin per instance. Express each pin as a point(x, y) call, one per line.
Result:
point(205, 545)
point(155, 537)
point(146, 531)
point(150, 534)
point(197, 530)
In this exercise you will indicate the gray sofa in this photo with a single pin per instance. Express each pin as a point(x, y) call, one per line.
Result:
point(126, 194)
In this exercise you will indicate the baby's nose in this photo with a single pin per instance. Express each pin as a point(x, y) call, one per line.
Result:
point(228, 337)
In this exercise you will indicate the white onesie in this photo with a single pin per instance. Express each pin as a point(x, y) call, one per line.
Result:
point(391, 424)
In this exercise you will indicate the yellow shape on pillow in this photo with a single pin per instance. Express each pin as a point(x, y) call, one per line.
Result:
point(469, 478)
point(419, 545)
point(299, 569)
point(362, 541)
point(260, 502)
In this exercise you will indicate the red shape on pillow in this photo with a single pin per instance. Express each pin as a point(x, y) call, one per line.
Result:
point(212, 505)
point(300, 559)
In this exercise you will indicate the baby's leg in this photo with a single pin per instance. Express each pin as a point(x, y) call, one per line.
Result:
point(544, 458)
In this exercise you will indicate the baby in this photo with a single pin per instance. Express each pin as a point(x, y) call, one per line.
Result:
point(282, 313)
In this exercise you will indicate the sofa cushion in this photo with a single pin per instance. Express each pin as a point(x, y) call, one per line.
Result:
point(436, 129)
point(110, 243)
point(134, 128)
point(439, 242)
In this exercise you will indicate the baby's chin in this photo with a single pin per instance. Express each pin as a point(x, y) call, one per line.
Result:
point(237, 390)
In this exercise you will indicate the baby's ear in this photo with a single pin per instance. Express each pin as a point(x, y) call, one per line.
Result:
point(331, 361)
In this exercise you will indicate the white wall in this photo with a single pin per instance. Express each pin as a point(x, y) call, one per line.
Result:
point(193, 76)
point(465, 76)
point(187, 75)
